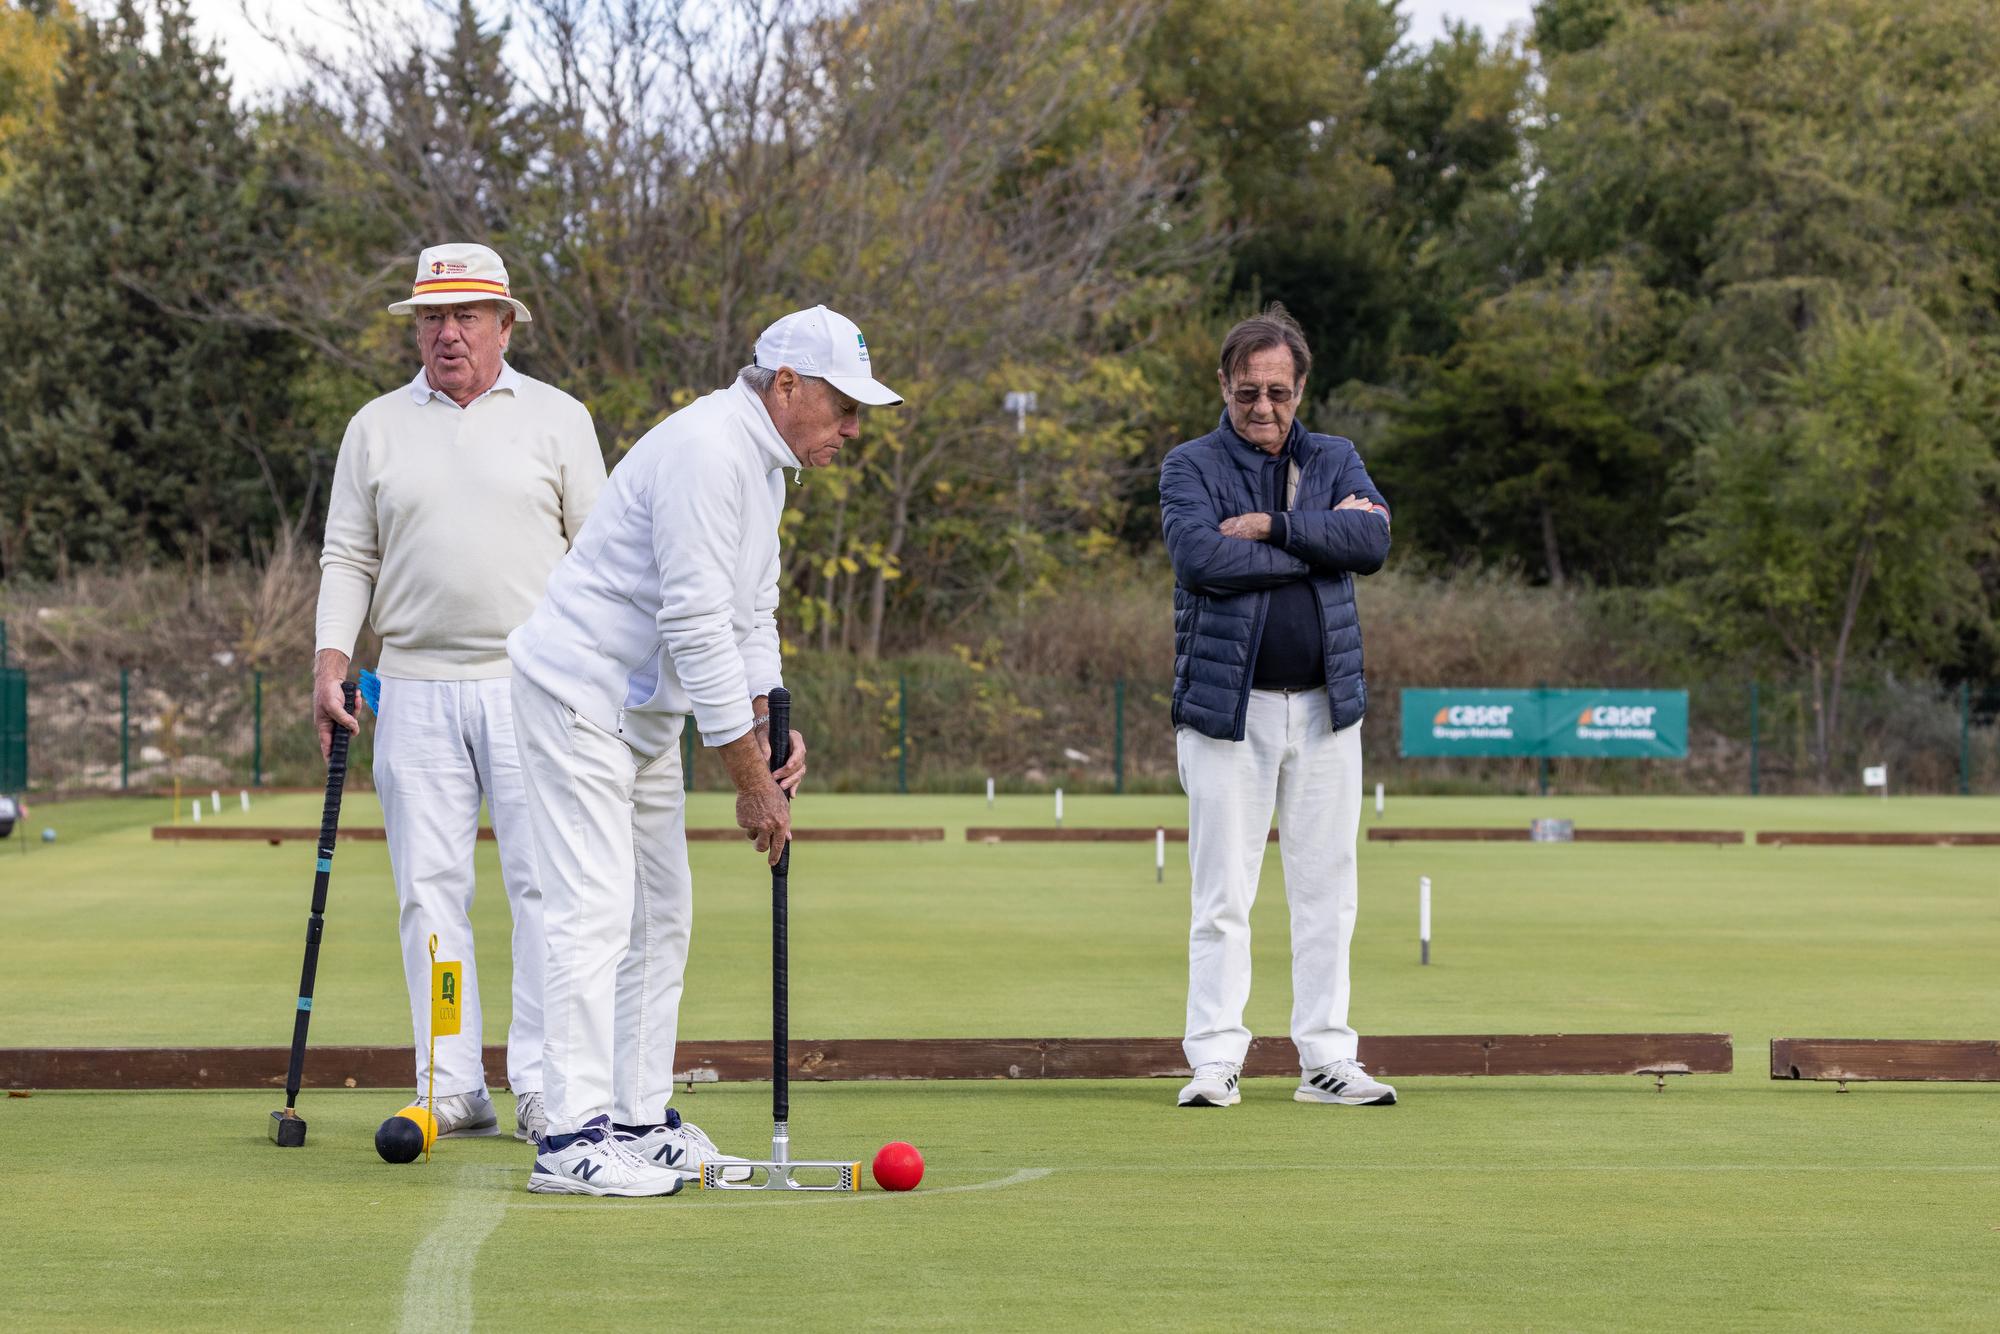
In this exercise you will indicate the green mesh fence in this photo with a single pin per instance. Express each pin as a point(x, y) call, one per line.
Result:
point(944, 726)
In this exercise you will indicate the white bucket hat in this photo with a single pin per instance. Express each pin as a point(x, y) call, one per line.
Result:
point(448, 275)
point(823, 343)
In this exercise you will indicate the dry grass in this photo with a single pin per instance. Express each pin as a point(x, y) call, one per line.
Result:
point(1112, 622)
point(1466, 627)
point(1028, 697)
point(258, 615)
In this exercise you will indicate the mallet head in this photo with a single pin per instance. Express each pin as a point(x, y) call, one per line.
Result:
point(288, 1129)
point(781, 1175)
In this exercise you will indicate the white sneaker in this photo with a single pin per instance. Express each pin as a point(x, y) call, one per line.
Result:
point(1213, 1085)
point(596, 1162)
point(682, 1146)
point(1346, 1083)
point(531, 1123)
point(464, 1115)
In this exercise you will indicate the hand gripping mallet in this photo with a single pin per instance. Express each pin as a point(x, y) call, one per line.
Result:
point(781, 1171)
point(288, 1128)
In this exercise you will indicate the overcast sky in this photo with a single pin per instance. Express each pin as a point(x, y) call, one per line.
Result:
point(258, 67)
point(1427, 17)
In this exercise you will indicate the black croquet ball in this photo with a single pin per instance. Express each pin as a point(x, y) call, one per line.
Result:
point(399, 1140)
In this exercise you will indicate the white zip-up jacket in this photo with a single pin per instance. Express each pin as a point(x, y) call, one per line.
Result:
point(667, 602)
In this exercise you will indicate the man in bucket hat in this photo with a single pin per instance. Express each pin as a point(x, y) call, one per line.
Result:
point(453, 498)
point(666, 608)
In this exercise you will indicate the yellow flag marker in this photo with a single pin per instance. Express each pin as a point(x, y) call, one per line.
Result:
point(447, 982)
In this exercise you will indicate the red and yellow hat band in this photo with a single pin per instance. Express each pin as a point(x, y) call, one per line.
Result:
point(468, 286)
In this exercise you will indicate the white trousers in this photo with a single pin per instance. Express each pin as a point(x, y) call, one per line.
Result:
point(440, 746)
point(610, 838)
point(1289, 759)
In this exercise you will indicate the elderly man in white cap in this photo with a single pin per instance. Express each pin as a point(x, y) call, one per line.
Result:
point(666, 607)
point(453, 498)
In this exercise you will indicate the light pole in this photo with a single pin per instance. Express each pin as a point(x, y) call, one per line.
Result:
point(1020, 402)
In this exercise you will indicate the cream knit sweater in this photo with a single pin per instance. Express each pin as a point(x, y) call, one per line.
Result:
point(444, 522)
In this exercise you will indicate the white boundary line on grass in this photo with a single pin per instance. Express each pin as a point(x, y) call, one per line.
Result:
point(1532, 1168)
point(437, 1295)
point(1020, 1178)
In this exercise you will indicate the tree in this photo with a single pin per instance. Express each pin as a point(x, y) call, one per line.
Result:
point(33, 34)
point(1530, 442)
point(1565, 26)
point(1779, 160)
point(980, 186)
point(1846, 519)
point(1018, 209)
point(137, 420)
point(1368, 184)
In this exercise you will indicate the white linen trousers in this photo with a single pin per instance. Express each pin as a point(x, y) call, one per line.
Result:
point(1290, 760)
point(609, 819)
point(440, 746)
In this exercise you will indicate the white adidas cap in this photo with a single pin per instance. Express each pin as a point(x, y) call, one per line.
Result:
point(823, 343)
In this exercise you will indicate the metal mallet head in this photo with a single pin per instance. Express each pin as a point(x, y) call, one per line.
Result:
point(288, 1129)
point(782, 1176)
point(780, 1172)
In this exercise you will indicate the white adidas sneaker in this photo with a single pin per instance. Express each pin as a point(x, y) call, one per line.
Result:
point(594, 1161)
point(464, 1115)
point(1213, 1085)
point(1345, 1083)
point(531, 1122)
point(682, 1146)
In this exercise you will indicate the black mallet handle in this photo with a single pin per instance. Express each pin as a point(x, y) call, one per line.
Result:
point(329, 825)
point(781, 1052)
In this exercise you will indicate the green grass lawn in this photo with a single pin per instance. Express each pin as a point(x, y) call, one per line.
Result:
point(1726, 1202)
point(1505, 1204)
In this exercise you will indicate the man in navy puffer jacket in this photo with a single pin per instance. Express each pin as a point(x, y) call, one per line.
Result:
point(1267, 524)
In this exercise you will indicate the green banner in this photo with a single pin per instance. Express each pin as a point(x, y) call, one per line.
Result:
point(13, 729)
point(1471, 722)
point(1604, 724)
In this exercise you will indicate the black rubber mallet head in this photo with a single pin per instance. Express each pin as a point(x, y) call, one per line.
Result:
point(288, 1130)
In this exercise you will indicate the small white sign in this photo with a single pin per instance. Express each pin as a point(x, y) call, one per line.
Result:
point(1875, 775)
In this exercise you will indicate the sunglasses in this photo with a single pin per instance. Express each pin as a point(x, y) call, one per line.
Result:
point(1247, 395)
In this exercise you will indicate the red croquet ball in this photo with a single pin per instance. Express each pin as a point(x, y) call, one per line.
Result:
point(899, 1166)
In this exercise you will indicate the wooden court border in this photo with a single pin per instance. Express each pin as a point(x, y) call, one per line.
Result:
point(275, 834)
point(1875, 1060)
point(1848, 838)
point(1654, 1054)
point(1376, 834)
point(1520, 834)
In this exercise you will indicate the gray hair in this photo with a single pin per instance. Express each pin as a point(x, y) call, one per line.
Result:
point(761, 379)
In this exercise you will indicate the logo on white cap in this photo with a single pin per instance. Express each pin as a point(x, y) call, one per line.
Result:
point(826, 344)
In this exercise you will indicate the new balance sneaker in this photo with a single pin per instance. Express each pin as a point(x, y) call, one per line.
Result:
point(593, 1161)
point(530, 1121)
point(464, 1115)
point(1213, 1085)
point(682, 1146)
point(1346, 1083)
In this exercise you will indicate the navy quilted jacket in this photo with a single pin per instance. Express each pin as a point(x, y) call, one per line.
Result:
point(1221, 583)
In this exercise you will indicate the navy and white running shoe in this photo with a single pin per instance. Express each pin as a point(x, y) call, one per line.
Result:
point(594, 1161)
point(682, 1146)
